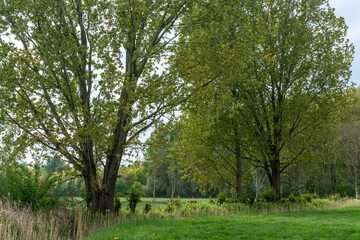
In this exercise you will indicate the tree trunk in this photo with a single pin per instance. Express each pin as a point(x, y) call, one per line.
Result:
point(238, 173)
point(173, 187)
point(120, 133)
point(356, 177)
point(275, 172)
point(258, 182)
point(356, 189)
point(154, 191)
point(333, 177)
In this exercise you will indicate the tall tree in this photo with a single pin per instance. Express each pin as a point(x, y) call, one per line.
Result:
point(287, 66)
point(160, 155)
point(81, 78)
point(349, 144)
point(212, 144)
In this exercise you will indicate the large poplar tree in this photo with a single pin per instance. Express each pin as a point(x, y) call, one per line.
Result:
point(84, 78)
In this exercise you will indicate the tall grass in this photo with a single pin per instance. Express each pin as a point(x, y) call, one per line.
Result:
point(18, 222)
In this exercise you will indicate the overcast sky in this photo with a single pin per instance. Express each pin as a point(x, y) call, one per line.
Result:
point(350, 10)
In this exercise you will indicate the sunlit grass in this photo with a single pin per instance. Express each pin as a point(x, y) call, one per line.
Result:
point(341, 223)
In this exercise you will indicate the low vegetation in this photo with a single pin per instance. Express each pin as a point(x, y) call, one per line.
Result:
point(21, 222)
point(331, 224)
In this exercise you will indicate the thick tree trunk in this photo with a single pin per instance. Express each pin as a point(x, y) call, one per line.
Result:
point(120, 133)
point(275, 181)
point(273, 174)
point(111, 173)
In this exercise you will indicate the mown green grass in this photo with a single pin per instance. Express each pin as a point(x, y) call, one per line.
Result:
point(341, 223)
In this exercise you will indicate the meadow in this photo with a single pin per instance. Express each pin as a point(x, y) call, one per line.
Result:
point(183, 219)
point(343, 223)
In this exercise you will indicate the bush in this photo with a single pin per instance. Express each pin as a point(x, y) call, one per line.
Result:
point(177, 201)
point(170, 207)
point(28, 187)
point(335, 197)
point(117, 205)
point(320, 202)
point(268, 195)
point(134, 196)
point(221, 197)
point(147, 207)
point(291, 198)
point(308, 197)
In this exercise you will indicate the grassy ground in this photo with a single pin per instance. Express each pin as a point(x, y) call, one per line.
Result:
point(341, 223)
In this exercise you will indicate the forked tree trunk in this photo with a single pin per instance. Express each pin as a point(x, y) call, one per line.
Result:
point(273, 173)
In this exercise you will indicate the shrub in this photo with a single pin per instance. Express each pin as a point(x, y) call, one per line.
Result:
point(170, 207)
point(134, 196)
point(269, 195)
point(335, 197)
point(320, 202)
point(177, 201)
point(117, 205)
point(29, 187)
point(291, 198)
point(147, 207)
point(308, 197)
point(221, 197)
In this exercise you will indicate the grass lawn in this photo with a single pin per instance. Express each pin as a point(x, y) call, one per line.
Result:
point(341, 223)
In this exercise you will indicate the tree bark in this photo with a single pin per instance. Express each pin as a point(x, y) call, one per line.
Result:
point(356, 177)
point(238, 173)
point(173, 187)
point(333, 177)
point(275, 172)
point(154, 191)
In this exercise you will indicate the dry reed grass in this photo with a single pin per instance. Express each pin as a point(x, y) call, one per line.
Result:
point(18, 222)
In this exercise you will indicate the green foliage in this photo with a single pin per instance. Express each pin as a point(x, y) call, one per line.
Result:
point(335, 197)
point(177, 201)
point(308, 197)
point(221, 197)
point(272, 72)
point(147, 207)
point(291, 198)
point(268, 195)
point(117, 205)
point(170, 207)
point(134, 196)
point(28, 187)
point(83, 79)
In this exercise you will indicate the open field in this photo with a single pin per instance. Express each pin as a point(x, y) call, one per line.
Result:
point(343, 223)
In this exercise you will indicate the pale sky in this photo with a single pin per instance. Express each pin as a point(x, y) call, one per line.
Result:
point(350, 10)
